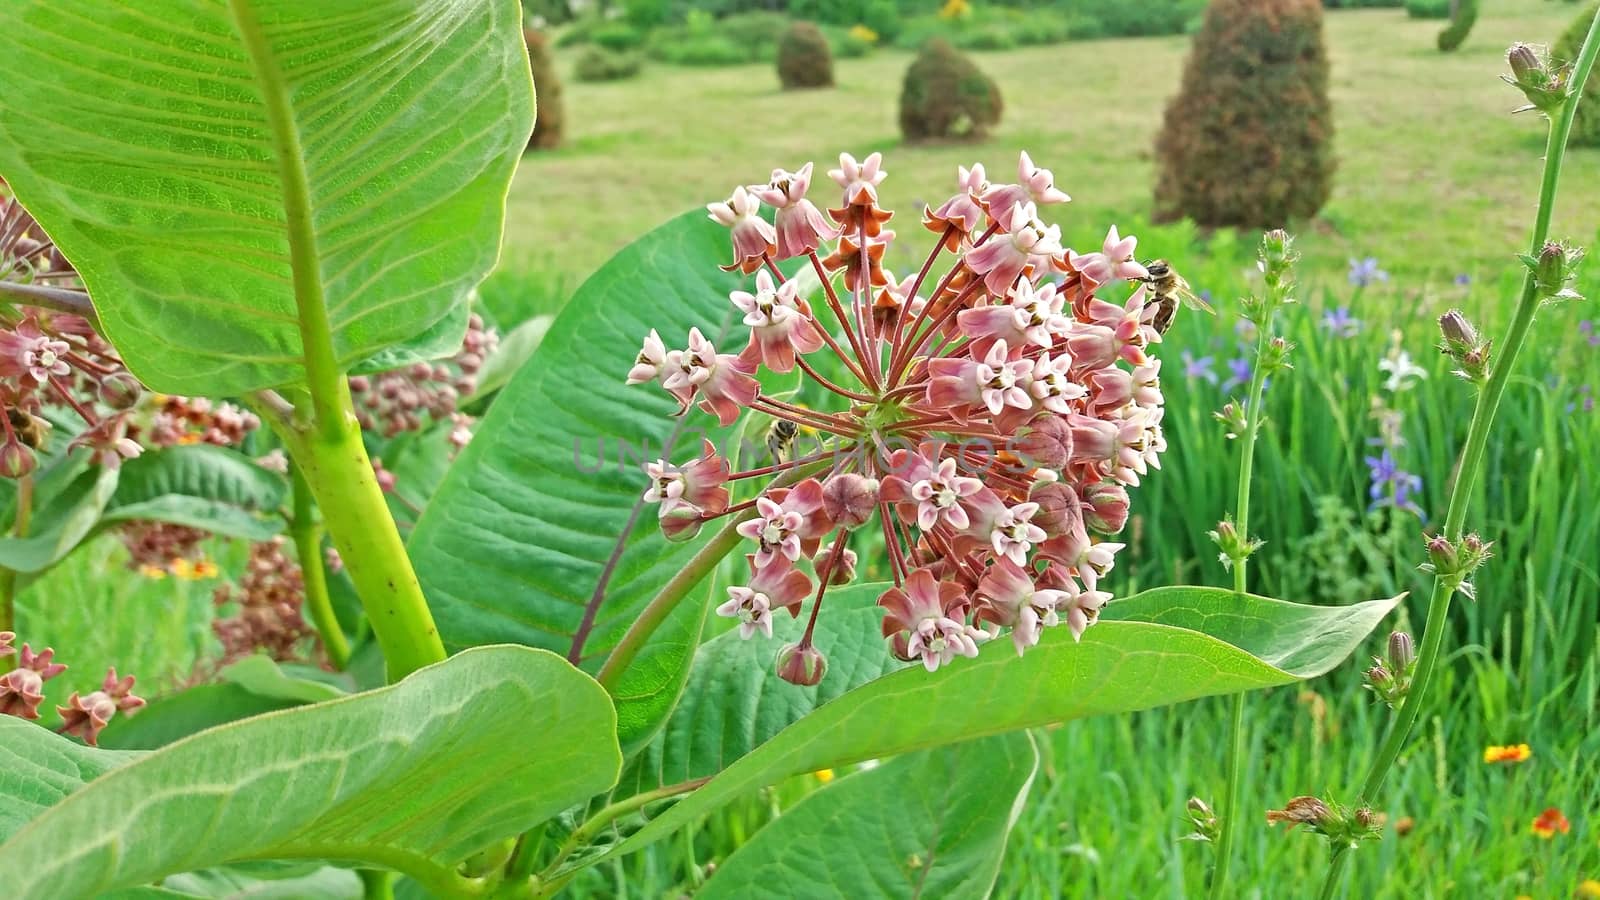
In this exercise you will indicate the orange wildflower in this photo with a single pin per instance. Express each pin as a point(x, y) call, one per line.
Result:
point(1549, 822)
point(1511, 753)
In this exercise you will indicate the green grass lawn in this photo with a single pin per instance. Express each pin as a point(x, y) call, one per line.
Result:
point(1434, 175)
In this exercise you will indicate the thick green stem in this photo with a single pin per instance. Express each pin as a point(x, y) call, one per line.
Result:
point(307, 533)
point(1229, 809)
point(1483, 416)
point(591, 828)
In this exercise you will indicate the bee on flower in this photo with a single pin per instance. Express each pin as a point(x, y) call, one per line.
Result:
point(991, 410)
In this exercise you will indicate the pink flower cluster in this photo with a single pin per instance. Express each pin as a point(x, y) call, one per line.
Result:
point(989, 426)
point(22, 691)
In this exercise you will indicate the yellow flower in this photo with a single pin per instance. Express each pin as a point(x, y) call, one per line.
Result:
point(824, 775)
point(181, 568)
point(154, 572)
point(1511, 753)
point(205, 568)
point(1589, 888)
point(864, 34)
point(955, 9)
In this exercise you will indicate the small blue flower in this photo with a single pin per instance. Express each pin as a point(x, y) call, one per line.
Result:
point(1392, 485)
point(1587, 329)
point(1340, 323)
point(1584, 400)
point(1463, 280)
point(1364, 272)
point(1203, 368)
point(1238, 373)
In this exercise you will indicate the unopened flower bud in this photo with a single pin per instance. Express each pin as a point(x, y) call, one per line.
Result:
point(1234, 546)
point(1554, 270)
point(1105, 507)
point(1059, 508)
point(1462, 343)
point(1206, 825)
point(841, 572)
point(801, 664)
point(1046, 442)
point(1442, 554)
point(1457, 329)
point(1402, 653)
point(15, 460)
point(850, 499)
point(119, 390)
point(1276, 356)
point(1541, 81)
point(681, 524)
point(1232, 415)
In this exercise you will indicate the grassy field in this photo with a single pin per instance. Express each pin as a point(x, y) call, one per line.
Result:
point(1433, 175)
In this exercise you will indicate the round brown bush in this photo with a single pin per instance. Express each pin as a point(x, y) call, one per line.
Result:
point(548, 121)
point(947, 96)
point(1586, 124)
point(804, 60)
point(1248, 139)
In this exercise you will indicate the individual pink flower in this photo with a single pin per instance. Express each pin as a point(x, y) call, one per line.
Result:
point(800, 225)
point(86, 716)
point(22, 689)
point(6, 637)
point(1113, 261)
point(1029, 316)
point(788, 522)
point(1081, 607)
point(754, 240)
point(1114, 388)
point(651, 362)
point(1037, 187)
point(1014, 533)
point(1026, 248)
point(938, 496)
point(959, 216)
point(925, 619)
point(895, 299)
point(1012, 600)
point(776, 584)
point(697, 488)
point(847, 256)
point(995, 383)
point(859, 180)
point(27, 351)
point(108, 442)
point(720, 381)
point(780, 324)
point(1051, 384)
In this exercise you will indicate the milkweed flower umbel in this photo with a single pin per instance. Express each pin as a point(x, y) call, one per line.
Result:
point(990, 410)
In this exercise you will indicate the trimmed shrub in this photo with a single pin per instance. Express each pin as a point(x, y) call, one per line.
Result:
point(617, 37)
point(547, 125)
point(1428, 9)
point(600, 64)
point(946, 96)
point(1463, 14)
point(804, 60)
point(1586, 126)
point(700, 50)
point(1247, 140)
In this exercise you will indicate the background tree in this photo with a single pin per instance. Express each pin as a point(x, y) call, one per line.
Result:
point(804, 60)
point(947, 96)
point(1586, 127)
point(548, 125)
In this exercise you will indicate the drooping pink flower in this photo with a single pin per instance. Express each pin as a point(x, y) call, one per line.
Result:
point(847, 257)
point(22, 689)
point(780, 324)
point(961, 214)
point(775, 584)
point(926, 619)
point(651, 362)
point(86, 716)
point(108, 441)
point(1114, 260)
point(938, 496)
point(721, 382)
point(1037, 187)
point(1027, 247)
point(1010, 598)
point(801, 227)
point(697, 488)
point(1029, 316)
point(995, 383)
point(754, 239)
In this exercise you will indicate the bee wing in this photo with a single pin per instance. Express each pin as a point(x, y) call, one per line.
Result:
point(1192, 301)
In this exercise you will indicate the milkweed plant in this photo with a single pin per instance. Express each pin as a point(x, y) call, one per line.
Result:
point(237, 304)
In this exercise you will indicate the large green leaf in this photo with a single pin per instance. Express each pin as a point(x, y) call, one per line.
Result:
point(418, 777)
point(38, 770)
point(67, 505)
point(201, 486)
point(926, 824)
point(524, 532)
point(1117, 667)
point(171, 149)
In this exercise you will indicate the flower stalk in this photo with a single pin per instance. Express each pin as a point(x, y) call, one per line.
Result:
point(1445, 584)
point(1233, 534)
point(306, 530)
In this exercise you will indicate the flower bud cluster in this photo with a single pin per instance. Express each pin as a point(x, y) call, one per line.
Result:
point(22, 691)
point(1343, 827)
point(1455, 561)
point(990, 426)
point(1461, 342)
point(404, 399)
point(1235, 547)
point(1554, 270)
point(1390, 675)
point(1207, 827)
point(264, 608)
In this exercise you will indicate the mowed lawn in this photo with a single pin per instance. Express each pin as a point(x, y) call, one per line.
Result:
point(1435, 177)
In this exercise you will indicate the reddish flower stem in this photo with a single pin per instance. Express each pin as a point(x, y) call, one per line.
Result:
point(866, 325)
point(841, 391)
point(864, 371)
point(900, 321)
point(828, 338)
point(779, 467)
point(77, 407)
point(914, 345)
point(896, 366)
point(809, 417)
point(891, 539)
point(840, 542)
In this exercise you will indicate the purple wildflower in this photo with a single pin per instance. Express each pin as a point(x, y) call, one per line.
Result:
point(1582, 400)
point(1392, 485)
point(1365, 272)
point(1340, 323)
point(1202, 368)
point(1463, 280)
point(1587, 329)
point(1238, 373)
